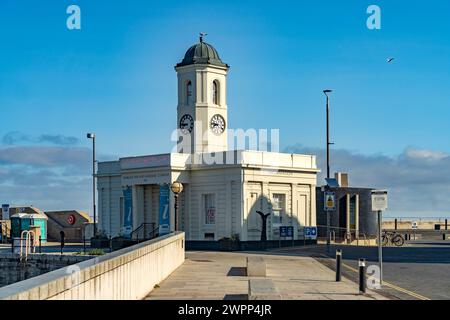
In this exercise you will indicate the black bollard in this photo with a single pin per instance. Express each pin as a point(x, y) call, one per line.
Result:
point(362, 276)
point(62, 235)
point(338, 265)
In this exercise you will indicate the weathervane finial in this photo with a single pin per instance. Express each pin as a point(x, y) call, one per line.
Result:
point(202, 35)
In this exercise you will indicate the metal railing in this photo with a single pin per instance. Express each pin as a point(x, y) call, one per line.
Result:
point(135, 234)
point(344, 235)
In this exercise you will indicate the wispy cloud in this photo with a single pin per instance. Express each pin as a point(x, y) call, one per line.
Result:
point(17, 137)
point(52, 176)
point(418, 180)
point(46, 156)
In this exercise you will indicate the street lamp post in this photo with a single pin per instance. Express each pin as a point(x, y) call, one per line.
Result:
point(92, 136)
point(177, 188)
point(326, 92)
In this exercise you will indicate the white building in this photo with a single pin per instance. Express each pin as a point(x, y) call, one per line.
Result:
point(222, 189)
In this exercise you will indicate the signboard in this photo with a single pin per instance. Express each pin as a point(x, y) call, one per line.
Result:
point(71, 219)
point(330, 201)
point(127, 211)
point(311, 233)
point(379, 200)
point(145, 162)
point(164, 212)
point(286, 232)
point(415, 225)
point(5, 211)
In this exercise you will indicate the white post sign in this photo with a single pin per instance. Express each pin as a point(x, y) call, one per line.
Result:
point(330, 201)
point(379, 200)
point(379, 204)
point(5, 212)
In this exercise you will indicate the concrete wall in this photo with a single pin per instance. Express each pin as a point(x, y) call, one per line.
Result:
point(422, 224)
point(127, 274)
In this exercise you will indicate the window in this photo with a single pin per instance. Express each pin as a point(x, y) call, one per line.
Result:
point(209, 236)
point(215, 92)
point(209, 208)
point(278, 207)
point(352, 206)
point(189, 93)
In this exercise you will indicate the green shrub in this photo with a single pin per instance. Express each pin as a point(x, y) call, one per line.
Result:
point(96, 252)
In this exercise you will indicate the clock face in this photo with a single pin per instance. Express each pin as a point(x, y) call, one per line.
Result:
point(187, 123)
point(218, 124)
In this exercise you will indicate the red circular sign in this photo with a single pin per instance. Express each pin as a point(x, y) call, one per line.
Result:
point(71, 219)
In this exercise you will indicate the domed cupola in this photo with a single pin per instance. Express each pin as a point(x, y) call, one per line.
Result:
point(202, 53)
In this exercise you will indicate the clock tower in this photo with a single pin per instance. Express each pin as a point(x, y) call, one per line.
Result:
point(202, 105)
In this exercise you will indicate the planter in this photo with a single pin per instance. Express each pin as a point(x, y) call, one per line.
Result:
point(99, 243)
point(120, 243)
point(229, 245)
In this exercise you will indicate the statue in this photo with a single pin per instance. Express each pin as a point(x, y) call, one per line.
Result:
point(264, 225)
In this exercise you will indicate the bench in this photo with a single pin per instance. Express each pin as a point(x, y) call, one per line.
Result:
point(256, 267)
point(262, 289)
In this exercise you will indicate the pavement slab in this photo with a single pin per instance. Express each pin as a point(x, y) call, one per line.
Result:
point(221, 275)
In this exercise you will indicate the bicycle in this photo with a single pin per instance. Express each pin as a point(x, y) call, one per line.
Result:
point(390, 237)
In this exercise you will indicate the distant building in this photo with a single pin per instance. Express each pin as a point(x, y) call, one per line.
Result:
point(28, 218)
point(353, 217)
point(77, 225)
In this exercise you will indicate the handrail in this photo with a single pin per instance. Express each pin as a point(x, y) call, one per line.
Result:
point(141, 227)
point(153, 232)
point(28, 245)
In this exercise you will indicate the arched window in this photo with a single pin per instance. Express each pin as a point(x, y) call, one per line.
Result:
point(215, 92)
point(189, 92)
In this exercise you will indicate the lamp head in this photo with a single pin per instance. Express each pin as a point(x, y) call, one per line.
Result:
point(327, 91)
point(91, 135)
point(177, 187)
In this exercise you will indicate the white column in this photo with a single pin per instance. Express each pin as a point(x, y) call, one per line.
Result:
point(228, 212)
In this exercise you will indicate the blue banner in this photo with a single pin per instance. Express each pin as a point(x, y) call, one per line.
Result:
point(164, 212)
point(127, 211)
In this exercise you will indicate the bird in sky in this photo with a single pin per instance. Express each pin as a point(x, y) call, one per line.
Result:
point(389, 60)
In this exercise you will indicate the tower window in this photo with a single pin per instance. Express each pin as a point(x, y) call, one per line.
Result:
point(215, 92)
point(189, 93)
point(209, 206)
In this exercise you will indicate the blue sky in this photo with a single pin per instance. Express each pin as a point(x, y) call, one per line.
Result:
point(116, 77)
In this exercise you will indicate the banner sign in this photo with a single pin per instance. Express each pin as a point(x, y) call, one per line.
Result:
point(164, 212)
point(127, 211)
point(5, 211)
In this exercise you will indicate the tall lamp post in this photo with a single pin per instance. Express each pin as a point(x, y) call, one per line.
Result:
point(326, 92)
point(92, 136)
point(177, 188)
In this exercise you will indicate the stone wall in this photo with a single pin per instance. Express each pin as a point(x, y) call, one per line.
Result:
point(13, 270)
point(127, 274)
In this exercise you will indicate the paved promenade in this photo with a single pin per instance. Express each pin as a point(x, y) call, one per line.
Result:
point(221, 275)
